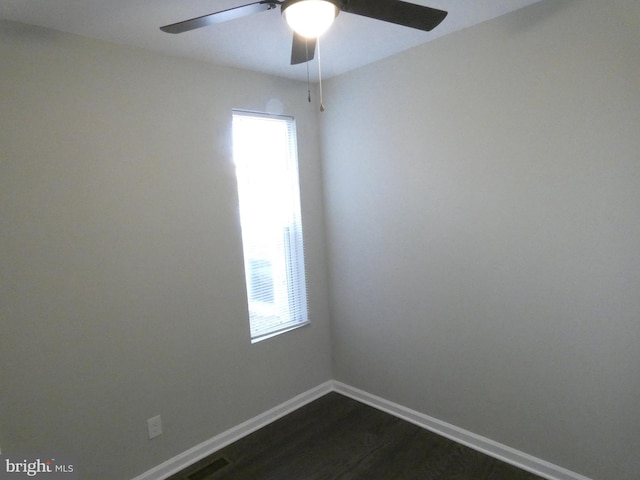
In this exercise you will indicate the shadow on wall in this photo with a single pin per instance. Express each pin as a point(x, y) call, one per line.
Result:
point(539, 13)
point(18, 33)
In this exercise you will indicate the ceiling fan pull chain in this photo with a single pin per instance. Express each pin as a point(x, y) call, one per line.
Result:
point(306, 46)
point(320, 77)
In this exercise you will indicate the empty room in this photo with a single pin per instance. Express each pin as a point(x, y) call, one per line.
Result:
point(467, 240)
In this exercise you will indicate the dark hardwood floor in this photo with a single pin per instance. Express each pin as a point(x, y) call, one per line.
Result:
point(337, 438)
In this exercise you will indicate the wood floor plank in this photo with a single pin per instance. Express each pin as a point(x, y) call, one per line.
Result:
point(337, 438)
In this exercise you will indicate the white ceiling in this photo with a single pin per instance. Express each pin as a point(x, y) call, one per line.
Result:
point(260, 42)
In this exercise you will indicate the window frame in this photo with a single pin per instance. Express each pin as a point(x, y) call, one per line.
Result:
point(291, 272)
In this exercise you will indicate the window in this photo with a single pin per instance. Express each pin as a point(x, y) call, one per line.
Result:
point(265, 155)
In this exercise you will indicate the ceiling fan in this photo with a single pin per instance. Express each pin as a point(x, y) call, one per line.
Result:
point(310, 18)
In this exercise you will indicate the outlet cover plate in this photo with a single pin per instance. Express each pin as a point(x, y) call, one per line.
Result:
point(154, 425)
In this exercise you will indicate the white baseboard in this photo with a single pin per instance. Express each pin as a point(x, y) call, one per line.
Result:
point(183, 460)
point(482, 444)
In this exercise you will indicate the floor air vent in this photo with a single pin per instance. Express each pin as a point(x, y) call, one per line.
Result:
point(205, 472)
point(205, 469)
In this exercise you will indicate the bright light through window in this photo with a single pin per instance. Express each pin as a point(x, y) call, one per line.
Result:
point(264, 151)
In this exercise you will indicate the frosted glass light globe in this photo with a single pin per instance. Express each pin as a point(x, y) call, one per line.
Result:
point(310, 18)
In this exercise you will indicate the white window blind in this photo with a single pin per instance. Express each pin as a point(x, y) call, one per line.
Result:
point(265, 155)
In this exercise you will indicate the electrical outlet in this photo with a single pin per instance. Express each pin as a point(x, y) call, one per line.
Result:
point(154, 426)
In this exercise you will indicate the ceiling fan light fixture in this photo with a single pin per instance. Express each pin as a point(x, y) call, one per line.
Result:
point(309, 18)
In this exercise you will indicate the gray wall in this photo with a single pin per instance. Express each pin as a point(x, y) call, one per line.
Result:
point(121, 278)
point(482, 209)
point(483, 206)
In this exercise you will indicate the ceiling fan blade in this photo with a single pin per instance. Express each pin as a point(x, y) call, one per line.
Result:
point(219, 17)
point(303, 49)
point(396, 11)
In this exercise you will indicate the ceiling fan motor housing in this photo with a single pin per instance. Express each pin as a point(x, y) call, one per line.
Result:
point(338, 4)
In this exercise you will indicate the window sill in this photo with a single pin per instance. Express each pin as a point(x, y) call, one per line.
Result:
point(260, 338)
